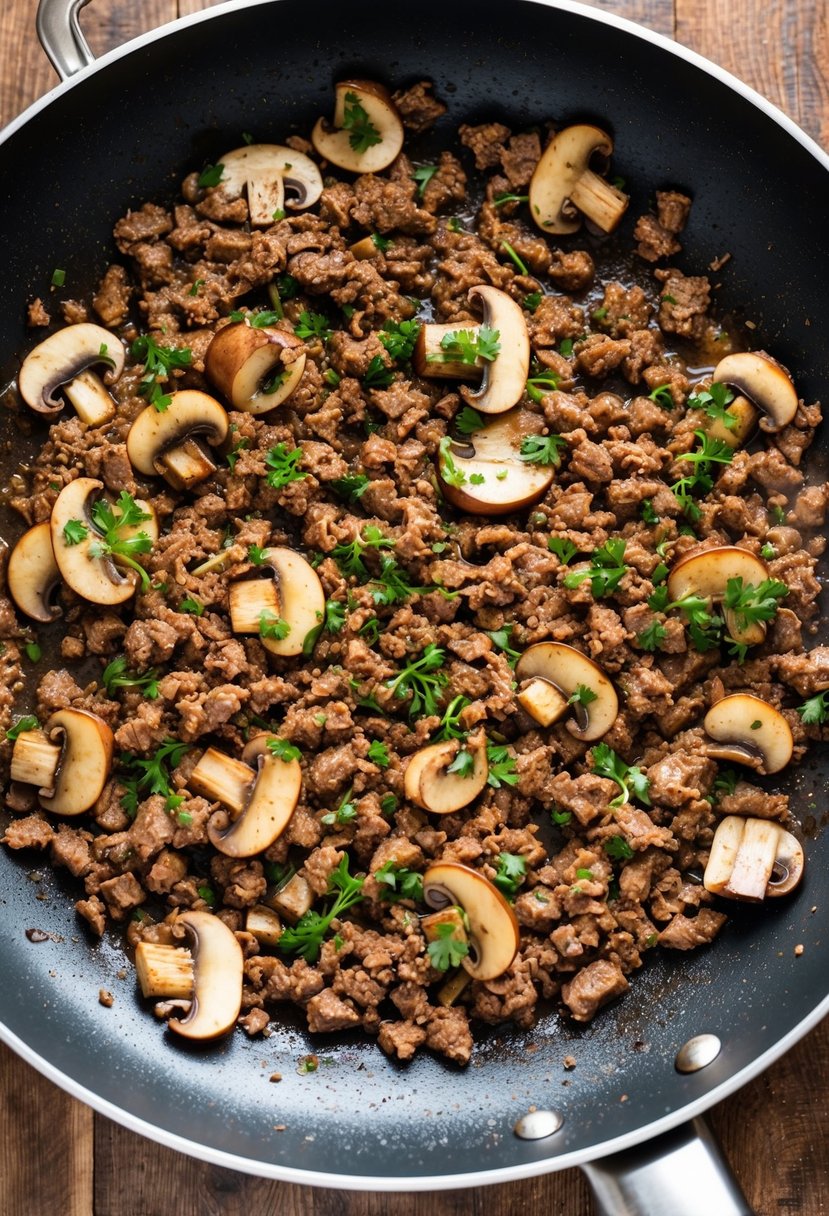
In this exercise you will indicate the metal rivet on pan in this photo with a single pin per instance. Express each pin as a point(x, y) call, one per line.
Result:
point(697, 1052)
point(537, 1124)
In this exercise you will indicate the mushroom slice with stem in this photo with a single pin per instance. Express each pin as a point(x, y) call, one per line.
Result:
point(744, 417)
point(262, 791)
point(753, 859)
point(265, 172)
point(484, 473)
point(33, 574)
point(264, 924)
point(749, 731)
point(169, 444)
point(209, 974)
point(563, 184)
point(492, 927)
point(367, 133)
point(291, 596)
point(247, 365)
point(554, 677)
point(765, 382)
point(75, 536)
point(434, 362)
point(445, 777)
point(62, 361)
point(708, 572)
point(69, 760)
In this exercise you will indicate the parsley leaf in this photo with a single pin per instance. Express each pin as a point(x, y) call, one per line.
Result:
point(512, 870)
point(663, 396)
point(501, 638)
point(29, 722)
point(563, 548)
point(582, 696)
point(652, 636)
point(362, 132)
point(814, 711)
point(305, 938)
point(284, 466)
point(618, 849)
point(74, 531)
point(606, 571)
point(274, 627)
point(151, 776)
point(399, 882)
point(422, 681)
point(501, 766)
point(111, 520)
point(463, 763)
point(349, 557)
point(377, 374)
point(423, 175)
point(378, 754)
point(446, 950)
point(631, 781)
point(400, 338)
point(312, 325)
point(500, 199)
point(351, 487)
point(345, 812)
point(468, 345)
point(714, 402)
point(449, 471)
point(450, 724)
point(117, 675)
point(468, 421)
point(211, 175)
point(542, 449)
point(159, 362)
point(751, 603)
point(283, 750)
point(538, 386)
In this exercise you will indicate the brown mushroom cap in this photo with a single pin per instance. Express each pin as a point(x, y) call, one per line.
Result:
point(61, 357)
point(33, 574)
point(265, 172)
point(156, 436)
point(493, 454)
point(242, 358)
point(765, 382)
point(334, 144)
point(217, 981)
point(493, 929)
point(749, 731)
point(86, 744)
point(563, 184)
point(428, 782)
point(565, 669)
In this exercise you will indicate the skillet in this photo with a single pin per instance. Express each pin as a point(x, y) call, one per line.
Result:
point(362, 1121)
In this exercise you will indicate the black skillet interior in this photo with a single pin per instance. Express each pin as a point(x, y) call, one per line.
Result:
point(129, 132)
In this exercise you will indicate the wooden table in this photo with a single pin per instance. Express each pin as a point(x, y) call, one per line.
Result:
point(58, 1158)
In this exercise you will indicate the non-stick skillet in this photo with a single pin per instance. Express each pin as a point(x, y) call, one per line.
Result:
point(126, 129)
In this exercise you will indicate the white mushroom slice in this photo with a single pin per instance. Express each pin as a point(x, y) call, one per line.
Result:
point(262, 789)
point(492, 927)
point(97, 579)
point(430, 360)
point(363, 112)
point(749, 731)
point(563, 183)
point(505, 377)
point(33, 574)
point(707, 573)
point(264, 924)
point(565, 671)
point(765, 382)
point(746, 854)
point(745, 419)
point(246, 364)
point(294, 899)
point(430, 784)
point(487, 475)
point(61, 359)
point(217, 980)
point(293, 593)
point(431, 926)
point(163, 971)
point(168, 443)
point(265, 172)
point(69, 760)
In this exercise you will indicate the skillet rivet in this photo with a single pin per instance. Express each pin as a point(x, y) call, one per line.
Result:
point(537, 1124)
point(698, 1052)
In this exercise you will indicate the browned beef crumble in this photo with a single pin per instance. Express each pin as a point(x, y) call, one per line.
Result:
point(588, 914)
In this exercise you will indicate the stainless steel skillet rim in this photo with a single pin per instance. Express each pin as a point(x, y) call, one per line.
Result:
point(544, 1164)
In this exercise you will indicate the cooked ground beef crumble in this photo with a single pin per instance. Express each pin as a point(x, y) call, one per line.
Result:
point(616, 356)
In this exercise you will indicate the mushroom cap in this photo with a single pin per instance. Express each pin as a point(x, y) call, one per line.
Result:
point(707, 572)
point(61, 357)
point(272, 797)
point(566, 668)
point(189, 413)
point(266, 171)
point(97, 579)
point(217, 983)
point(301, 599)
point(505, 377)
point(335, 144)
point(764, 381)
point(749, 731)
point(509, 483)
point(752, 859)
point(33, 574)
point(84, 764)
point(493, 928)
point(241, 357)
point(428, 783)
point(565, 160)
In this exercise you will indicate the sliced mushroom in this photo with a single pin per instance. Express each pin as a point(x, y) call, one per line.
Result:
point(69, 760)
point(765, 382)
point(261, 790)
point(97, 579)
point(218, 968)
point(492, 927)
point(364, 249)
point(264, 924)
point(749, 731)
point(33, 574)
point(291, 592)
point(551, 676)
point(164, 972)
point(431, 361)
point(169, 444)
point(342, 145)
point(62, 360)
point(753, 859)
point(487, 475)
point(246, 363)
point(265, 172)
point(563, 183)
point(293, 899)
point(431, 925)
point(707, 573)
point(745, 419)
point(430, 783)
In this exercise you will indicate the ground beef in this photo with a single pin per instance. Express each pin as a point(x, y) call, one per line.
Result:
point(593, 987)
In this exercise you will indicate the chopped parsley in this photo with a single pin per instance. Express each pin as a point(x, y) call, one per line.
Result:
point(542, 449)
point(345, 812)
point(273, 627)
point(468, 421)
point(520, 266)
point(631, 780)
point(283, 750)
point(305, 938)
point(399, 882)
point(618, 849)
point(607, 569)
point(400, 338)
point(362, 132)
point(349, 557)
point(351, 487)
point(502, 640)
point(714, 402)
point(563, 548)
point(447, 950)
point(652, 636)
point(117, 675)
point(283, 466)
point(377, 375)
point(750, 603)
point(211, 176)
point(423, 175)
point(512, 870)
point(378, 754)
point(312, 325)
point(152, 775)
point(814, 711)
point(501, 766)
point(29, 722)
point(468, 345)
point(663, 396)
point(582, 696)
point(192, 606)
point(74, 531)
point(159, 361)
point(500, 199)
point(111, 520)
point(422, 682)
point(539, 385)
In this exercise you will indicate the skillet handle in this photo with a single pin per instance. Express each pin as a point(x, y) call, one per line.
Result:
point(60, 36)
point(680, 1173)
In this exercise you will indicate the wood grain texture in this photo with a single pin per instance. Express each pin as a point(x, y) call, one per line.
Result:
point(773, 1131)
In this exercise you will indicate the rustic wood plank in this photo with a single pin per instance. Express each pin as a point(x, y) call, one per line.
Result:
point(46, 1145)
